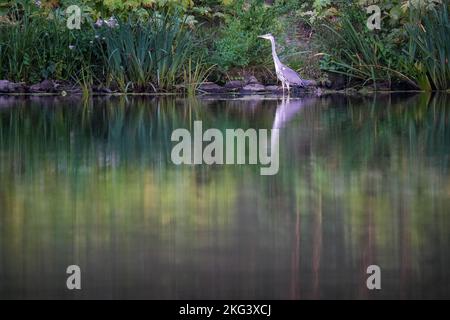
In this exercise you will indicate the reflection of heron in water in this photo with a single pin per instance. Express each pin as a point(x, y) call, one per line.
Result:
point(285, 112)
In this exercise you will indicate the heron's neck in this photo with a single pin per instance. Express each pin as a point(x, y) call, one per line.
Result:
point(274, 54)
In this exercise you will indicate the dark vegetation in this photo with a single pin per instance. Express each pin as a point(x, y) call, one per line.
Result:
point(166, 46)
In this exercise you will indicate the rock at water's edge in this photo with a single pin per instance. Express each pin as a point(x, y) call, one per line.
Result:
point(309, 83)
point(11, 87)
point(211, 87)
point(234, 85)
point(254, 87)
point(46, 86)
point(274, 88)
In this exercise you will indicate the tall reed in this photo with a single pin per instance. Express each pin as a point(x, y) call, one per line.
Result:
point(194, 75)
point(36, 46)
point(366, 57)
point(146, 55)
point(430, 44)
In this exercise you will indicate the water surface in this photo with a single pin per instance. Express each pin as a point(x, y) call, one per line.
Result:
point(362, 181)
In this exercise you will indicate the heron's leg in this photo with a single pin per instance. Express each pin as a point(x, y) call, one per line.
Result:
point(282, 85)
point(288, 87)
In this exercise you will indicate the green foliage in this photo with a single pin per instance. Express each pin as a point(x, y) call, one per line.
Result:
point(363, 54)
point(239, 45)
point(35, 47)
point(167, 44)
point(140, 54)
point(430, 41)
point(146, 55)
point(125, 6)
point(194, 74)
point(309, 11)
point(372, 56)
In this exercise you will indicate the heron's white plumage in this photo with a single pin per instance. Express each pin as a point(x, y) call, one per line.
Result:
point(286, 75)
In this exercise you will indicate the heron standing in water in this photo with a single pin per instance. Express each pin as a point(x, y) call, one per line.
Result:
point(286, 75)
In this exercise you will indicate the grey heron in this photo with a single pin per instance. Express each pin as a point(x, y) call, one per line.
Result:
point(286, 75)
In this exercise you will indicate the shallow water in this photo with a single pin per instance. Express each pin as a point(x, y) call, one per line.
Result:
point(91, 183)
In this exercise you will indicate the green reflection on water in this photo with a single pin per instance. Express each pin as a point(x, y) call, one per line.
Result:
point(362, 181)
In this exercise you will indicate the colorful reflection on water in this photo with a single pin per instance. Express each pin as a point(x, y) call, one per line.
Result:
point(362, 181)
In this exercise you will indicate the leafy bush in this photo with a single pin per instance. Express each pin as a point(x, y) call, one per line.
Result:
point(127, 6)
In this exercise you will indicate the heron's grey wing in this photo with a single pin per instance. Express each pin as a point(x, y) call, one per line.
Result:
point(291, 76)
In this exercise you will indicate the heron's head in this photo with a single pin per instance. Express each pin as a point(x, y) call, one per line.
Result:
point(266, 36)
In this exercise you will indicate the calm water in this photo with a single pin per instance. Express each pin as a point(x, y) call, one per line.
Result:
point(91, 183)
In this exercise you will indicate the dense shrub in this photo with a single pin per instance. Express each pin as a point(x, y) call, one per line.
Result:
point(238, 44)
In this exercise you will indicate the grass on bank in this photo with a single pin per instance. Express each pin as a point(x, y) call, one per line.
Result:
point(155, 55)
point(430, 41)
point(416, 52)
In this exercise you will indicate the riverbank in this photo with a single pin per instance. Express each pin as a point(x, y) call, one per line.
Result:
point(250, 86)
point(245, 87)
point(166, 49)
